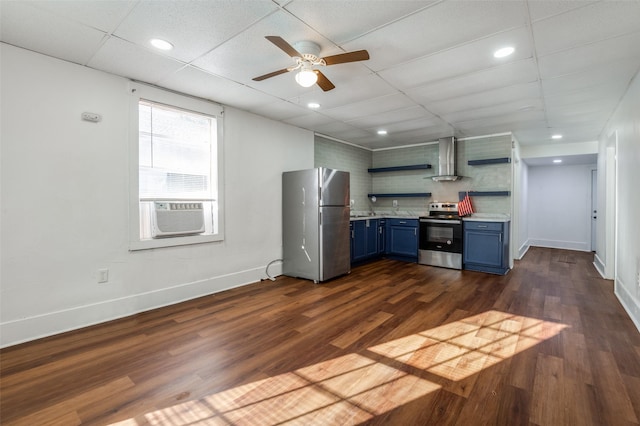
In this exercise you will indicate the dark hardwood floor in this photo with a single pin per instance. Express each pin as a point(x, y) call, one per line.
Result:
point(390, 344)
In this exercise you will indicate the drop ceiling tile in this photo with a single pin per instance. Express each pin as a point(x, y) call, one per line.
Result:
point(593, 55)
point(619, 72)
point(523, 71)
point(196, 82)
point(503, 123)
point(280, 110)
point(335, 18)
point(104, 15)
point(524, 104)
point(460, 61)
point(35, 29)
point(390, 117)
point(578, 110)
point(122, 58)
point(336, 128)
point(603, 94)
point(311, 120)
point(544, 9)
point(436, 28)
point(516, 93)
point(193, 27)
point(596, 22)
point(370, 106)
point(349, 135)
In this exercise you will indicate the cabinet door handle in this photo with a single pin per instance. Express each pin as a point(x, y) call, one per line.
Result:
point(483, 226)
point(415, 231)
point(402, 222)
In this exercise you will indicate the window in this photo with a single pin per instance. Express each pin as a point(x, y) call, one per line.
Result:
point(177, 149)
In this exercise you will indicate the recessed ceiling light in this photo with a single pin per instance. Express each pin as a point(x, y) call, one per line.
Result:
point(556, 137)
point(557, 161)
point(161, 44)
point(382, 132)
point(313, 105)
point(505, 51)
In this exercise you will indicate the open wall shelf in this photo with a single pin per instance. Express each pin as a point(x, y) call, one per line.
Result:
point(402, 195)
point(489, 161)
point(399, 168)
point(484, 194)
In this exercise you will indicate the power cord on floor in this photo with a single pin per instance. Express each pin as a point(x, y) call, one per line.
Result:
point(267, 269)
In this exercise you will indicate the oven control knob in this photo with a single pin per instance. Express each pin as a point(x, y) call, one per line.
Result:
point(449, 242)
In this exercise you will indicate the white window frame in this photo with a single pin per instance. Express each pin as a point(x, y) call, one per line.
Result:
point(140, 91)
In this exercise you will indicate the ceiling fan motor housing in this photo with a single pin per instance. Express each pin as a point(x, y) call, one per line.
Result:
point(310, 51)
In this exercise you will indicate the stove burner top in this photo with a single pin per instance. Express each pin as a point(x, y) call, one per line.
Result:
point(443, 210)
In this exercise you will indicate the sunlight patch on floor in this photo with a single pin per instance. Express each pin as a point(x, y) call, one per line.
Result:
point(354, 388)
point(462, 348)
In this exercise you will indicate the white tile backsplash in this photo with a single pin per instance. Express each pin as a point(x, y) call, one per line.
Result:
point(491, 177)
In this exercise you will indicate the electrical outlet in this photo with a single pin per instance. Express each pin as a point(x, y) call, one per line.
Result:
point(395, 203)
point(103, 275)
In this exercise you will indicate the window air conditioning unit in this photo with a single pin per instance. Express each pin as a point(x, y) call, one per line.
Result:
point(172, 219)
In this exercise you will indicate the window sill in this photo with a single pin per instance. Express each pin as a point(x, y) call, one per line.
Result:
point(173, 242)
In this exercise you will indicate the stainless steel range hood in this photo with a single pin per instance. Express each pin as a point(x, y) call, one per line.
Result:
point(447, 160)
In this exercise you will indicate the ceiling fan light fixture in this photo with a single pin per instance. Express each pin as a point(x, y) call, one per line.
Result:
point(306, 77)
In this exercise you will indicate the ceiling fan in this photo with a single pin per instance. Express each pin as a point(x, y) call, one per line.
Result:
point(308, 59)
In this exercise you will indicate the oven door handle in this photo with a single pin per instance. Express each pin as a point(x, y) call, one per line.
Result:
point(453, 222)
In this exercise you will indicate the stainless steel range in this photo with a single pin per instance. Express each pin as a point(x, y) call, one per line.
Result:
point(440, 242)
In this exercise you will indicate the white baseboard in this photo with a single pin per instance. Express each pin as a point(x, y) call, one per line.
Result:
point(523, 249)
point(629, 303)
point(599, 265)
point(31, 328)
point(567, 245)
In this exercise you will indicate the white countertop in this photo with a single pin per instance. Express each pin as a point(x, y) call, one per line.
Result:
point(488, 217)
point(383, 216)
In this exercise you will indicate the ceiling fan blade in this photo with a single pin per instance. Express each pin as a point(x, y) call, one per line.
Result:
point(282, 44)
point(271, 74)
point(358, 55)
point(324, 82)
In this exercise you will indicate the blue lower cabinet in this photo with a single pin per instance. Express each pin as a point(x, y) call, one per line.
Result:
point(364, 239)
point(382, 232)
point(392, 238)
point(486, 247)
point(402, 239)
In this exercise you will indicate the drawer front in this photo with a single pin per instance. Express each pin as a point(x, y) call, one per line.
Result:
point(483, 226)
point(403, 222)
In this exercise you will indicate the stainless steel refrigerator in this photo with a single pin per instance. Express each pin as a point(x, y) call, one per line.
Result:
point(315, 223)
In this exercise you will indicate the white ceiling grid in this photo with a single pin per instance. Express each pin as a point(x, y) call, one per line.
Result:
point(431, 72)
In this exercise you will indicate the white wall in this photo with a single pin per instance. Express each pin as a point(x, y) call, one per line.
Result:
point(64, 203)
point(520, 236)
point(625, 124)
point(559, 205)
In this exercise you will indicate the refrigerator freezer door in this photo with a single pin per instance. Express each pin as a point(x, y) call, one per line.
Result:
point(300, 216)
point(335, 242)
point(335, 187)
